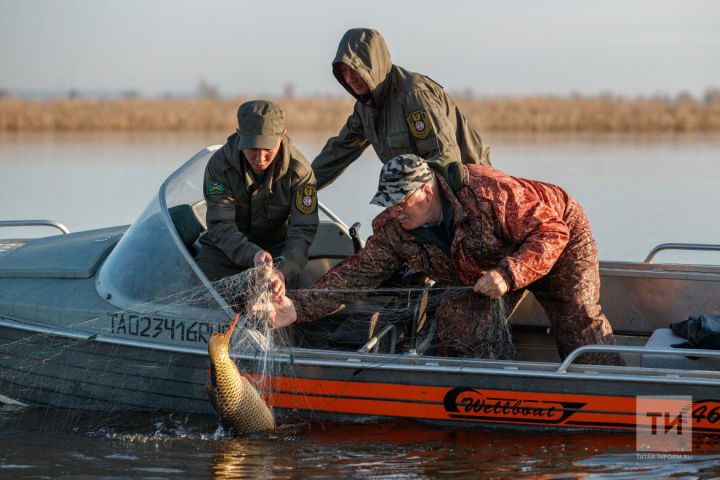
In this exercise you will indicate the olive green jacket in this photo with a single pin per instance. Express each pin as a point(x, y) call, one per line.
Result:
point(278, 215)
point(405, 112)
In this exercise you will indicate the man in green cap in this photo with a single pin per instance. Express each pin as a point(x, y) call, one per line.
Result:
point(397, 111)
point(261, 200)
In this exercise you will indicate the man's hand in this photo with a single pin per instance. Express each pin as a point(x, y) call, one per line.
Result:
point(263, 258)
point(492, 285)
point(277, 285)
point(281, 313)
point(276, 278)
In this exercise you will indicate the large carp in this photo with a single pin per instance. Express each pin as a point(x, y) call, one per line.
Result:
point(240, 406)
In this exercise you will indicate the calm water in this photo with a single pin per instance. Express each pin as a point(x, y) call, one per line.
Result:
point(58, 444)
point(638, 191)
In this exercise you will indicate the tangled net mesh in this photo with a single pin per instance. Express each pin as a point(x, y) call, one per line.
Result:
point(395, 319)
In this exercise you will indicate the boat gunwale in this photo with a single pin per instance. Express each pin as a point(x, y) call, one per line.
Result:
point(655, 270)
point(387, 362)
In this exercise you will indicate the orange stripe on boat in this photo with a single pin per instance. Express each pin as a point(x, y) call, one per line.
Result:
point(476, 404)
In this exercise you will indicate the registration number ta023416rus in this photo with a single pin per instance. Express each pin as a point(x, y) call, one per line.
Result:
point(166, 328)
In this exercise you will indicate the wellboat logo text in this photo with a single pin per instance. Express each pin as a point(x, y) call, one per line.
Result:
point(472, 404)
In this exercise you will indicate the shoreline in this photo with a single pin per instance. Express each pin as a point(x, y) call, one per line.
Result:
point(534, 114)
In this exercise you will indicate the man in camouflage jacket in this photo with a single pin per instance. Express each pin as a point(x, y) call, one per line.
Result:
point(397, 111)
point(472, 225)
point(261, 199)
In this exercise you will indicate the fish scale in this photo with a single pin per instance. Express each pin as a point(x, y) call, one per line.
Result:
point(239, 405)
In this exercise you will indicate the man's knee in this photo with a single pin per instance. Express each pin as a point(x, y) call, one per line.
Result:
point(587, 326)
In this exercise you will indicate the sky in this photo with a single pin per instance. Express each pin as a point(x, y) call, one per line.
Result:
point(254, 48)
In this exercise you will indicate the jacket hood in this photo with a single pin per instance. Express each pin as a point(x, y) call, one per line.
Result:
point(364, 50)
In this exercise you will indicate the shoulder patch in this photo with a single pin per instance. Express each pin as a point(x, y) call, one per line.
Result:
point(216, 189)
point(419, 124)
point(306, 199)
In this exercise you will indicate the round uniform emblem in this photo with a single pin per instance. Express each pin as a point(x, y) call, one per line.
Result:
point(419, 124)
point(306, 199)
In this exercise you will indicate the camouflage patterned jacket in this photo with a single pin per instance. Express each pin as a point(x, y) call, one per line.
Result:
point(405, 113)
point(520, 227)
point(278, 215)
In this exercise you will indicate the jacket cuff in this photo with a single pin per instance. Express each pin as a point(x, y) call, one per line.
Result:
point(298, 302)
point(507, 276)
point(248, 255)
point(288, 270)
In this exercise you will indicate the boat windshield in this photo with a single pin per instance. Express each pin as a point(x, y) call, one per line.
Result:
point(151, 267)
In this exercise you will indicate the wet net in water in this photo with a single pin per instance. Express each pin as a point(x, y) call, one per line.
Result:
point(92, 367)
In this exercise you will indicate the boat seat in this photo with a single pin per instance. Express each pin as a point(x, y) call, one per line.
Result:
point(332, 244)
point(187, 225)
point(666, 338)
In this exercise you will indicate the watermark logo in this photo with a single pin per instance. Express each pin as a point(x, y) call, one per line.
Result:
point(664, 424)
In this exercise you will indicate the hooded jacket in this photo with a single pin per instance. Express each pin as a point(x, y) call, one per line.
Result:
point(278, 215)
point(405, 112)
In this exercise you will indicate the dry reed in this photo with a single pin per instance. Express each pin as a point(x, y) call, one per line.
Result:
point(530, 114)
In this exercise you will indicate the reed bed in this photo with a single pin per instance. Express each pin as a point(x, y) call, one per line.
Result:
point(529, 114)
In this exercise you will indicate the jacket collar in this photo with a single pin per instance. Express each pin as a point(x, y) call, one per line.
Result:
point(459, 215)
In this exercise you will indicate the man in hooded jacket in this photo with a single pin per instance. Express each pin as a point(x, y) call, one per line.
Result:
point(397, 111)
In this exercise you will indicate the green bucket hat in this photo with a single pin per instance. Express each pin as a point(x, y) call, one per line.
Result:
point(400, 176)
point(260, 123)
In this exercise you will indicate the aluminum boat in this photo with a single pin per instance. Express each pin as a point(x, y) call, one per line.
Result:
point(93, 320)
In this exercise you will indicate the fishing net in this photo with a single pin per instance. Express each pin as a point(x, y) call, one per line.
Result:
point(401, 317)
point(407, 314)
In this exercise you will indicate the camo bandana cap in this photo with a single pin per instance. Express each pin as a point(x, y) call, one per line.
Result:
point(400, 176)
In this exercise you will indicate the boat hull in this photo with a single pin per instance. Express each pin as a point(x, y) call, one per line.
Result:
point(97, 373)
point(479, 396)
point(111, 375)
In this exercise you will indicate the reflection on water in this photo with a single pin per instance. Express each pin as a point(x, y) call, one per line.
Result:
point(638, 190)
point(163, 446)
